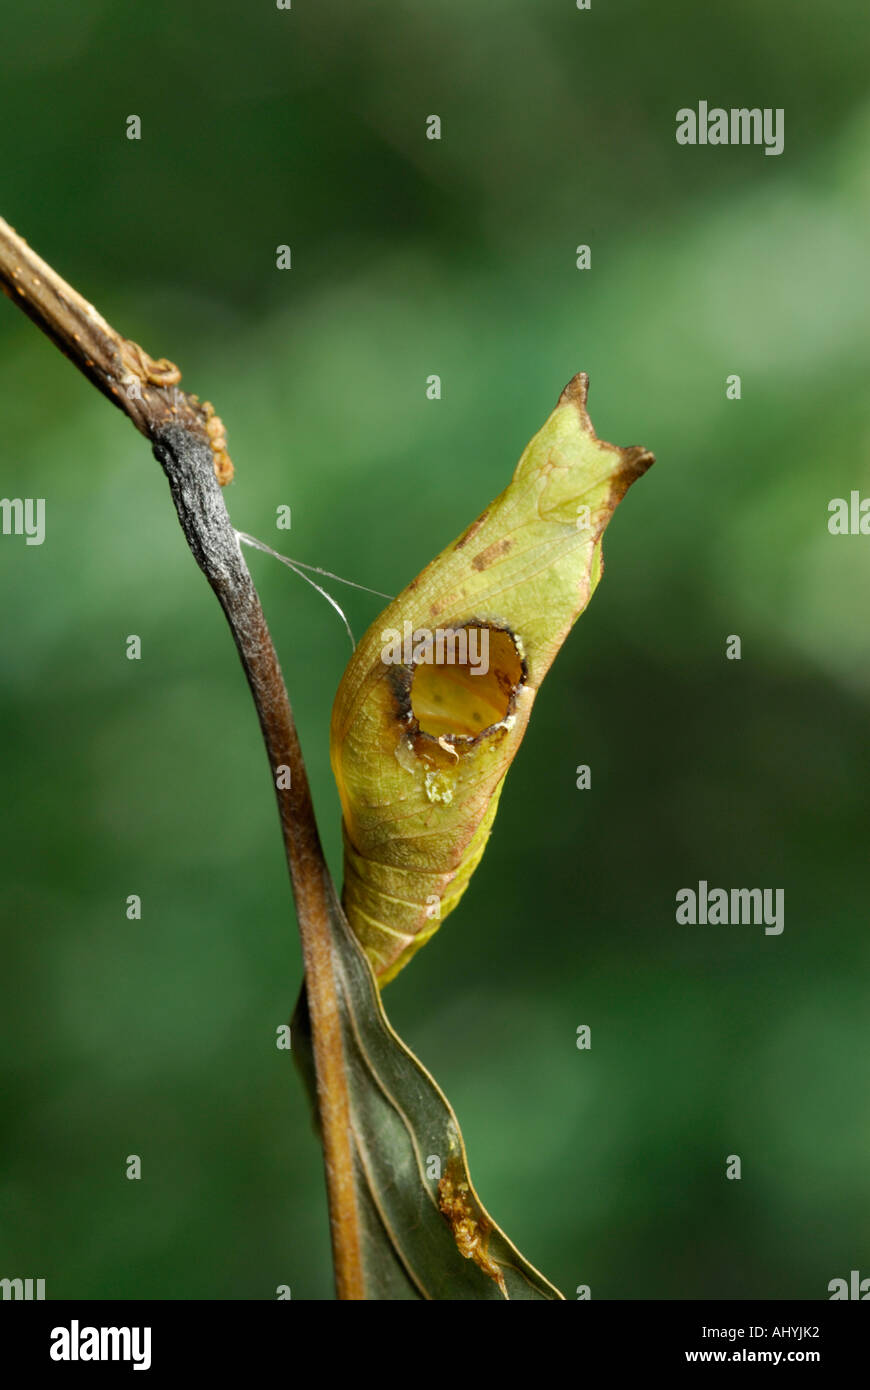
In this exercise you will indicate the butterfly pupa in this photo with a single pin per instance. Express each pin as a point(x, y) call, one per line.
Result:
point(421, 739)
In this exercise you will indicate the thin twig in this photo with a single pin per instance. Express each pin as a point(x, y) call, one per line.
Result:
point(144, 388)
point(189, 452)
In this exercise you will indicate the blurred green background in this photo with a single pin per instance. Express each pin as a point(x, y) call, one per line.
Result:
point(411, 257)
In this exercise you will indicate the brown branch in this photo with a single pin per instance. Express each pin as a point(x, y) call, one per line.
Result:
point(145, 389)
point(178, 429)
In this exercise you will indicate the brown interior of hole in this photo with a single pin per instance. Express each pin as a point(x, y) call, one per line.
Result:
point(458, 699)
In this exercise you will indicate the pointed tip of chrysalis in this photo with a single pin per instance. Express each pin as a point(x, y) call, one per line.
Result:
point(636, 459)
point(576, 392)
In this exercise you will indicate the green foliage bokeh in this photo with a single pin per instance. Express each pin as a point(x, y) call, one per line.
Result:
point(411, 257)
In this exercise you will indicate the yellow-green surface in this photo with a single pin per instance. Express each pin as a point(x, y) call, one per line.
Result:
point(420, 778)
